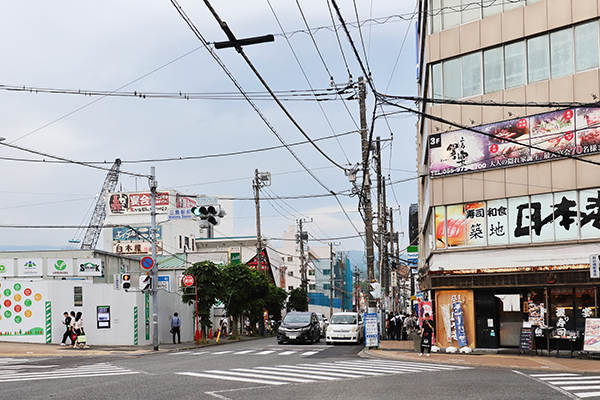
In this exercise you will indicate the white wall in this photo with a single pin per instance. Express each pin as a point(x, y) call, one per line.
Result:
point(60, 294)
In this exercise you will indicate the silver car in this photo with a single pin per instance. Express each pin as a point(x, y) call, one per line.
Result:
point(345, 327)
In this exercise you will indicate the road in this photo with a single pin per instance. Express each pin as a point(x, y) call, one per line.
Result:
point(263, 369)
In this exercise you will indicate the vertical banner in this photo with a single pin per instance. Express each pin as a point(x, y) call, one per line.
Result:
point(455, 223)
point(147, 308)
point(594, 266)
point(461, 334)
point(48, 322)
point(440, 227)
point(476, 227)
point(135, 325)
point(591, 341)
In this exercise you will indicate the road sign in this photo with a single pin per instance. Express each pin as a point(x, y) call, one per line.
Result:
point(147, 262)
point(188, 280)
point(594, 266)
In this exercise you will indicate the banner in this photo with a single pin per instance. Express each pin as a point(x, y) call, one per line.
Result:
point(30, 267)
point(60, 267)
point(565, 132)
point(137, 203)
point(591, 341)
point(90, 267)
point(461, 334)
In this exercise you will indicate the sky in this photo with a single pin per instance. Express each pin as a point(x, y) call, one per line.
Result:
point(102, 57)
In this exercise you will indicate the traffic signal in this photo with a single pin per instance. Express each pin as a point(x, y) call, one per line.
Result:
point(375, 290)
point(211, 214)
point(126, 280)
point(145, 282)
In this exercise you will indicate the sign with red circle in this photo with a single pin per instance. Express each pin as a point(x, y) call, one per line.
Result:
point(494, 148)
point(187, 280)
point(147, 262)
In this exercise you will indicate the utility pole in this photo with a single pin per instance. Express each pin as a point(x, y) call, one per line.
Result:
point(153, 185)
point(381, 211)
point(343, 291)
point(394, 265)
point(303, 274)
point(366, 190)
point(260, 179)
point(330, 279)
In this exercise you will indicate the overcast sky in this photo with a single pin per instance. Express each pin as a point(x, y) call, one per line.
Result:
point(146, 46)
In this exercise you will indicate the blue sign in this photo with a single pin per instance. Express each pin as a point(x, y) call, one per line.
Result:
point(164, 282)
point(180, 213)
point(371, 330)
point(459, 324)
point(135, 233)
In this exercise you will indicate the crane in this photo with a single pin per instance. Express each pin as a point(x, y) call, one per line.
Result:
point(95, 227)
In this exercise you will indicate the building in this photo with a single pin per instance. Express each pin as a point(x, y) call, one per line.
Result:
point(38, 286)
point(509, 195)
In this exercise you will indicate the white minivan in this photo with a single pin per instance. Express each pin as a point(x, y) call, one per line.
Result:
point(345, 327)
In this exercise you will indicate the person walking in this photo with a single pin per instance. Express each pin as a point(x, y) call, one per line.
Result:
point(426, 336)
point(68, 331)
point(81, 340)
point(176, 327)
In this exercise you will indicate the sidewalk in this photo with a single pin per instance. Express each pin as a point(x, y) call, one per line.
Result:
point(405, 351)
point(30, 350)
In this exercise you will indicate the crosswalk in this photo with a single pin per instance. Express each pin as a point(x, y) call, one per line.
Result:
point(581, 386)
point(20, 373)
point(276, 351)
point(318, 372)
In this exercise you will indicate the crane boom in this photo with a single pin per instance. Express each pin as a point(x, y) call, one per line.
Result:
point(95, 227)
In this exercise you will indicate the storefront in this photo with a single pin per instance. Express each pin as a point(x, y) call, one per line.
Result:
point(495, 303)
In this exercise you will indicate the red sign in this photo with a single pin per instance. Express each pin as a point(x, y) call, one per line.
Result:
point(147, 262)
point(187, 280)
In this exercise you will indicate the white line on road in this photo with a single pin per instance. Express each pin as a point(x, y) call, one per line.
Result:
point(230, 378)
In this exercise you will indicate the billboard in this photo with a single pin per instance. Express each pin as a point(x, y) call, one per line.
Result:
point(547, 217)
point(136, 203)
point(506, 143)
point(135, 233)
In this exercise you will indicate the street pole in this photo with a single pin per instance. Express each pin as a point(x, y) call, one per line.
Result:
point(380, 234)
point(304, 283)
point(394, 265)
point(366, 191)
point(330, 279)
point(153, 185)
point(258, 233)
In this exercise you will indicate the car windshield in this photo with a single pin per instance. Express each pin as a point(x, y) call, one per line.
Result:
point(343, 319)
point(297, 318)
point(320, 316)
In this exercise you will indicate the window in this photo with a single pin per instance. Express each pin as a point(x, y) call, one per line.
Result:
point(493, 70)
point(311, 271)
point(586, 46)
point(471, 11)
point(180, 242)
point(436, 19)
point(326, 286)
point(450, 14)
point(436, 73)
point(561, 53)
point(290, 258)
point(290, 273)
point(326, 272)
point(452, 79)
point(312, 287)
point(491, 7)
point(514, 64)
point(471, 75)
point(187, 242)
point(290, 288)
point(538, 59)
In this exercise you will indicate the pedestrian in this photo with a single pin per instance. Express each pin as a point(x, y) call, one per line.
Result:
point(391, 326)
point(176, 328)
point(399, 322)
point(81, 339)
point(426, 335)
point(68, 332)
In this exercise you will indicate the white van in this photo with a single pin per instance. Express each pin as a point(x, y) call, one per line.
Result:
point(345, 327)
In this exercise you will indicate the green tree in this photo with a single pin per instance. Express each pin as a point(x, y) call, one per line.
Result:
point(275, 301)
point(244, 290)
point(209, 283)
point(298, 300)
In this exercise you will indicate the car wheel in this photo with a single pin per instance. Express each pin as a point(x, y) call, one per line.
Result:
point(280, 342)
point(327, 343)
point(318, 338)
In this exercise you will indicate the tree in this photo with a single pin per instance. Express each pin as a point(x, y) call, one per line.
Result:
point(298, 300)
point(244, 290)
point(275, 301)
point(209, 283)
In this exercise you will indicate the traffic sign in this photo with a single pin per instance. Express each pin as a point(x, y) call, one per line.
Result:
point(147, 262)
point(187, 280)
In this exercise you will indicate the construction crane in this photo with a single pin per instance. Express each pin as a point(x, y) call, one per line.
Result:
point(95, 227)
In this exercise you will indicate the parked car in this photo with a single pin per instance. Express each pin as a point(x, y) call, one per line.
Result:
point(345, 327)
point(323, 322)
point(299, 326)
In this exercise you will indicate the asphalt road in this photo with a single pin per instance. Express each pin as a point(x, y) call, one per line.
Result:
point(262, 369)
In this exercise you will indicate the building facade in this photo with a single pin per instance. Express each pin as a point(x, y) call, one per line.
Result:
point(509, 155)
